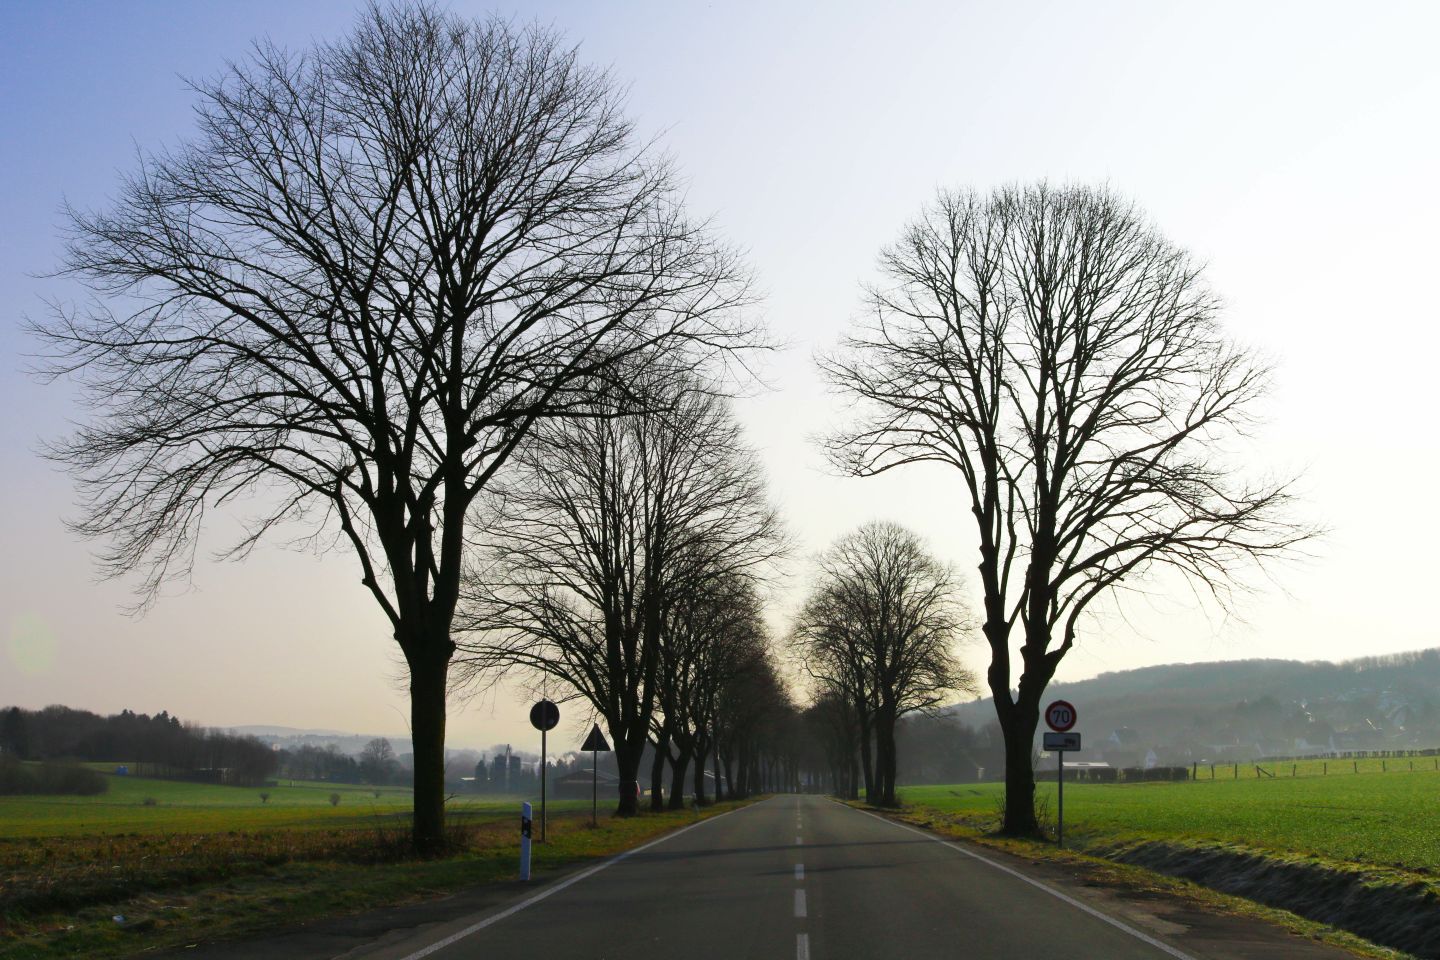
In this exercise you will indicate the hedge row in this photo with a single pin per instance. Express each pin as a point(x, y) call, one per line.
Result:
point(1113, 774)
point(48, 778)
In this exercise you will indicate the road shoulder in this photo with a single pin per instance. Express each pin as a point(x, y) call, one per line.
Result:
point(1198, 921)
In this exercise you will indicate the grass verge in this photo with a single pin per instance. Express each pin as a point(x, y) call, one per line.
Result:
point(59, 897)
point(1104, 864)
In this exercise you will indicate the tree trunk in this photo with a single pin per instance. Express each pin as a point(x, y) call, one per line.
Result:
point(678, 766)
point(867, 763)
point(715, 769)
point(627, 767)
point(885, 750)
point(657, 774)
point(1019, 734)
point(700, 754)
point(428, 679)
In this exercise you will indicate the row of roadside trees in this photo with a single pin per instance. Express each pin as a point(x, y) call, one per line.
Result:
point(622, 560)
point(426, 287)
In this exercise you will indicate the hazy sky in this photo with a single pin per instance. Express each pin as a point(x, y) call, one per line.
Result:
point(1293, 147)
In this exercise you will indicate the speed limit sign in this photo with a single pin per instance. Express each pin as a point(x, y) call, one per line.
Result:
point(1060, 715)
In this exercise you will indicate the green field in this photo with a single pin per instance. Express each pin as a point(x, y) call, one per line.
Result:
point(1384, 819)
point(201, 808)
point(208, 861)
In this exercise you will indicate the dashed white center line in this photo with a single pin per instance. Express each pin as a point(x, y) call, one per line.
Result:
point(802, 940)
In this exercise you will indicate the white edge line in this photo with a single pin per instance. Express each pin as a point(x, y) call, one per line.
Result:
point(1086, 908)
point(548, 891)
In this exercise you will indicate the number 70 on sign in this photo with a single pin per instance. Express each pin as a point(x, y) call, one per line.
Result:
point(1061, 715)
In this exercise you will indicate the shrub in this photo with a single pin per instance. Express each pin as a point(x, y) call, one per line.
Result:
point(264, 797)
point(149, 801)
point(15, 777)
point(49, 778)
point(334, 799)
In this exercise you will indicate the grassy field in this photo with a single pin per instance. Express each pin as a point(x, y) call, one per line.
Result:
point(208, 861)
point(201, 808)
point(1382, 819)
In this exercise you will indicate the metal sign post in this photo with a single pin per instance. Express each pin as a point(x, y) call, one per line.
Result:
point(543, 717)
point(595, 743)
point(1061, 716)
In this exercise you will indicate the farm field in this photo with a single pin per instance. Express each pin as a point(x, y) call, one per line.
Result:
point(208, 861)
point(202, 808)
point(1380, 819)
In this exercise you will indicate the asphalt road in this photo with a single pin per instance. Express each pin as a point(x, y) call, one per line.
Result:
point(803, 877)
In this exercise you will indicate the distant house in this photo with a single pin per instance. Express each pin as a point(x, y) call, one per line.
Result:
point(1123, 737)
point(577, 785)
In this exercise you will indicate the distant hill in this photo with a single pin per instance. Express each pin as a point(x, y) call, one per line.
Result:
point(1247, 708)
point(266, 730)
point(289, 738)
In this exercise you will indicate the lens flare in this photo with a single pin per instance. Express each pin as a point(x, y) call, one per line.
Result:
point(31, 645)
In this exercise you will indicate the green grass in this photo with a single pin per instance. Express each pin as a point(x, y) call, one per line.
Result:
point(213, 862)
point(201, 808)
point(1386, 820)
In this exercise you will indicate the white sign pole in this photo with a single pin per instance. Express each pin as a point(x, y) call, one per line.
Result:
point(1060, 822)
point(525, 841)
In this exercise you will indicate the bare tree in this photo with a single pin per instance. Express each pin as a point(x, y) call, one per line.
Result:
point(1065, 358)
point(832, 725)
point(376, 266)
point(881, 625)
point(606, 522)
point(757, 725)
point(377, 762)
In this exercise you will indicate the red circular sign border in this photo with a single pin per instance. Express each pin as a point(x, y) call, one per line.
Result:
point(1074, 716)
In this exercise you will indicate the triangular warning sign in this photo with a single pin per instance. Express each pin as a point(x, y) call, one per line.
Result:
point(596, 740)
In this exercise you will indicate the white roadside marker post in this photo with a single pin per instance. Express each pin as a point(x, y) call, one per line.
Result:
point(525, 840)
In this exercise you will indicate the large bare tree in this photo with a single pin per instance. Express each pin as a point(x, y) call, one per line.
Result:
point(1060, 353)
point(880, 629)
point(604, 525)
point(374, 268)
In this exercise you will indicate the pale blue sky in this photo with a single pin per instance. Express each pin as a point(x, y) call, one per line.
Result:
point(1292, 146)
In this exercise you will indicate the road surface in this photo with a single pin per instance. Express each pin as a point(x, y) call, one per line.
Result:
point(804, 877)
